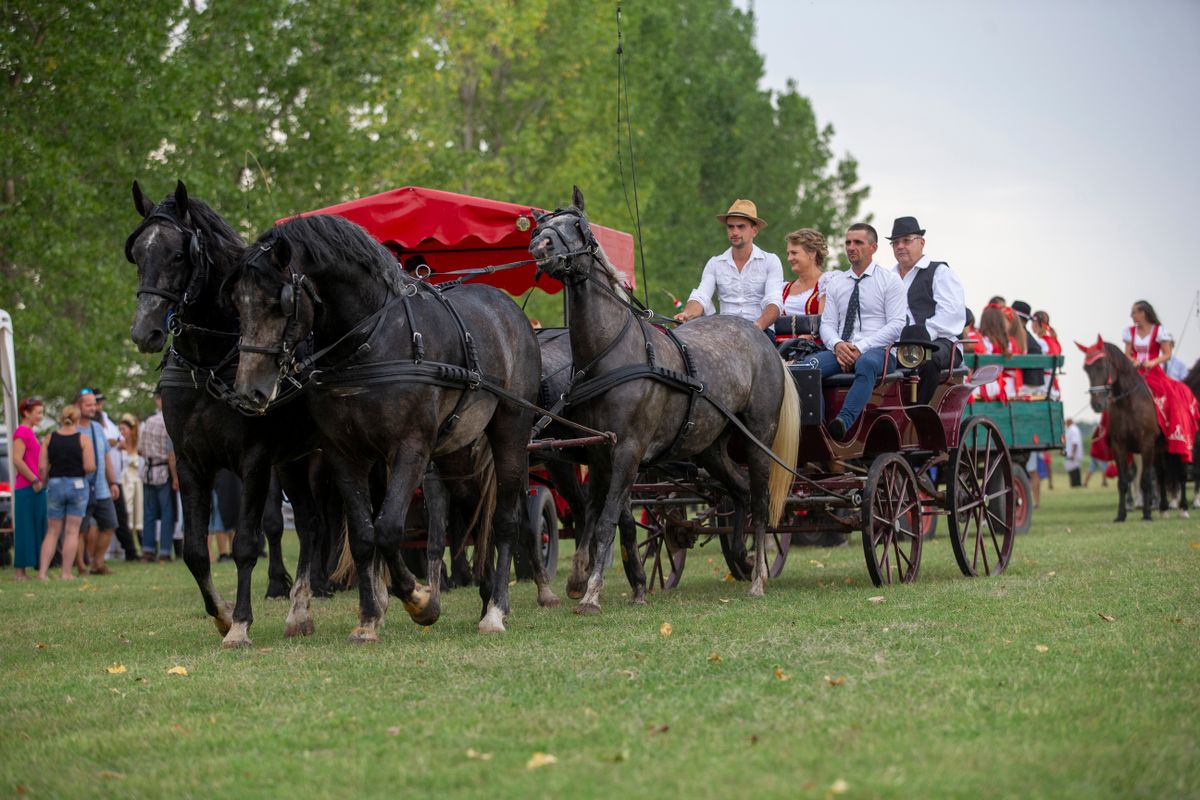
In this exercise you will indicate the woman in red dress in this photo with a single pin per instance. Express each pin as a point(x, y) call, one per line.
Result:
point(1149, 346)
point(995, 340)
point(1048, 339)
point(806, 254)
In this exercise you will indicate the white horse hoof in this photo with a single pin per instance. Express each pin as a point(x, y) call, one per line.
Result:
point(493, 621)
point(1183, 514)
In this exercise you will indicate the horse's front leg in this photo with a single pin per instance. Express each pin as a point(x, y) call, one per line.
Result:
point(566, 483)
point(1122, 484)
point(1147, 484)
point(408, 468)
point(293, 477)
point(195, 485)
point(247, 544)
point(629, 557)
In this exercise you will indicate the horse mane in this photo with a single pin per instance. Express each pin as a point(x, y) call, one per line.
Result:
point(220, 239)
point(616, 281)
point(330, 239)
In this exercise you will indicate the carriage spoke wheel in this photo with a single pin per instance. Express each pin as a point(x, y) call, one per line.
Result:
point(980, 500)
point(663, 548)
point(891, 521)
point(739, 550)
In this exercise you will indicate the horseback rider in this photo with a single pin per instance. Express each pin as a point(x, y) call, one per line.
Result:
point(748, 281)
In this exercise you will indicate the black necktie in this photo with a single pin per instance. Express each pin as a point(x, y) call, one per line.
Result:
point(851, 311)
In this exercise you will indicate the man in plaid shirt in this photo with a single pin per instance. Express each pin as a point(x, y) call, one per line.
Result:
point(160, 484)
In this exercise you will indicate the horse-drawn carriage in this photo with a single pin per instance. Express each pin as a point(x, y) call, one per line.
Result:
point(399, 368)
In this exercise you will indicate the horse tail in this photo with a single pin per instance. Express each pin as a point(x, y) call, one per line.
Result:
point(345, 573)
point(485, 510)
point(785, 447)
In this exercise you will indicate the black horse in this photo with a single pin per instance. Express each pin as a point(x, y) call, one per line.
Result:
point(1116, 386)
point(183, 251)
point(690, 395)
point(404, 373)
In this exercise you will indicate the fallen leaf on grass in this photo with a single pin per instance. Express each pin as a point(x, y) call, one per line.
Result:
point(1193, 545)
point(629, 673)
point(724, 599)
point(728, 577)
point(40, 646)
point(714, 658)
point(1106, 617)
point(394, 730)
point(116, 776)
point(115, 669)
point(754, 738)
point(665, 629)
point(838, 681)
point(265, 649)
point(839, 787)
point(621, 756)
point(877, 599)
point(540, 759)
point(816, 563)
point(780, 675)
point(86, 586)
point(1041, 648)
point(478, 756)
point(657, 729)
point(30, 594)
point(177, 670)
point(1051, 574)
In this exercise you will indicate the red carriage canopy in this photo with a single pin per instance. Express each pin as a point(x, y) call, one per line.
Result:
point(457, 231)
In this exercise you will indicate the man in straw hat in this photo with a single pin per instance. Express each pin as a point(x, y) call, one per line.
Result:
point(748, 281)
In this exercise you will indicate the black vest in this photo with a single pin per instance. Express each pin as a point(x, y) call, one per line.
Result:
point(920, 293)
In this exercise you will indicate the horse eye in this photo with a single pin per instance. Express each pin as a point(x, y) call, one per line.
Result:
point(179, 256)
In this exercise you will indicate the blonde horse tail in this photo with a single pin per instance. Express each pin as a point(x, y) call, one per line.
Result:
point(785, 447)
point(346, 572)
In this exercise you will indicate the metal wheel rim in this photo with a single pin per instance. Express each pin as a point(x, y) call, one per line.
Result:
point(981, 500)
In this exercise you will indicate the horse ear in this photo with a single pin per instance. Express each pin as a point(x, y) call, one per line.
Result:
point(1083, 347)
point(140, 203)
point(577, 198)
point(181, 199)
point(1099, 345)
point(281, 254)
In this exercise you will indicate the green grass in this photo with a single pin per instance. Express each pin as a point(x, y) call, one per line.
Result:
point(945, 693)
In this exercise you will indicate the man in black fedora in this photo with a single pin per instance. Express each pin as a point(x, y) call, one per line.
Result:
point(935, 299)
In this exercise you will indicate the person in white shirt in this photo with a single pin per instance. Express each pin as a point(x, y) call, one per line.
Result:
point(935, 299)
point(748, 281)
point(1073, 452)
point(863, 316)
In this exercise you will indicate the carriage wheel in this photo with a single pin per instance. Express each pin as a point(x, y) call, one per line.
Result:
point(663, 551)
point(739, 550)
point(981, 500)
point(891, 521)
point(1023, 508)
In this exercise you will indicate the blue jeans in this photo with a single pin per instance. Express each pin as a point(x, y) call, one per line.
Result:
point(158, 505)
point(867, 370)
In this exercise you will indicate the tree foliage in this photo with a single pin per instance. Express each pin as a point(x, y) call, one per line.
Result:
point(271, 107)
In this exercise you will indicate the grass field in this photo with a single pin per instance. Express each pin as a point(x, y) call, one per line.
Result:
point(1072, 675)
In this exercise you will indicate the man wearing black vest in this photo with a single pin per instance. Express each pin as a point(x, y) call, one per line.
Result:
point(935, 300)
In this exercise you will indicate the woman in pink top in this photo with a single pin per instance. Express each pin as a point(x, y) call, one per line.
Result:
point(29, 499)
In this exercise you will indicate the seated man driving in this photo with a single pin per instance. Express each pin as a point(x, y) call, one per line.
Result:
point(864, 314)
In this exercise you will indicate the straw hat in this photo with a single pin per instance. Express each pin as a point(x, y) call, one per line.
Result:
point(743, 208)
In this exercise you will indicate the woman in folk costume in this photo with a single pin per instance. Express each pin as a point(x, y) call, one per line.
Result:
point(806, 254)
point(995, 340)
point(1048, 339)
point(1149, 346)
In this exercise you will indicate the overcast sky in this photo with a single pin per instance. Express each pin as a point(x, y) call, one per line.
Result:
point(1051, 149)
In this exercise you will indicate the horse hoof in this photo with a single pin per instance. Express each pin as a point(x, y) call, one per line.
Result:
point(548, 599)
point(639, 598)
point(223, 625)
point(755, 591)
point(236, 643)
point(304, 628)
point(493, 621)
point(362, 635)
point(576, 589)
point(278, 592)
point(1183, 514)
point(586, 609)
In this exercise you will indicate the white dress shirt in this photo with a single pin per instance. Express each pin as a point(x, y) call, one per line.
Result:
point(746, 292)
point(1073, 448)
point(950, 316)
point(882, 305)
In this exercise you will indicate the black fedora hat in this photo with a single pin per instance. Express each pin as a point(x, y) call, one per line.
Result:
point(906, 226)
point(1021, 309)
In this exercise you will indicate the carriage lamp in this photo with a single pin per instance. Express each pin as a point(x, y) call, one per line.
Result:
point(912, 354)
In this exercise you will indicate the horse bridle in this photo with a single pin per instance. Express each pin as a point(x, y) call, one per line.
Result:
point(296, 284)
point(1105, 392)
point(197, 255)
point(569, 274)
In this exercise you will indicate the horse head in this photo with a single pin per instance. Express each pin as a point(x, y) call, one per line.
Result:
point(560, 238)
point(278, 307)
point(1099, 369)
point(171, 261)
